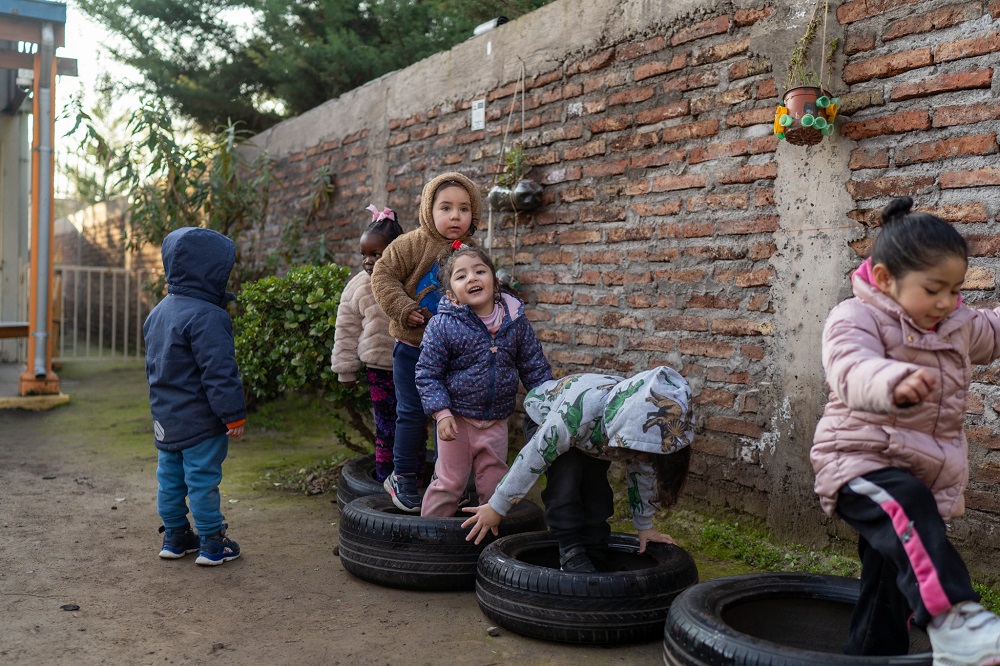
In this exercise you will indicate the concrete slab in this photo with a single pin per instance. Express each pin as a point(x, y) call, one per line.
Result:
point(9, 387)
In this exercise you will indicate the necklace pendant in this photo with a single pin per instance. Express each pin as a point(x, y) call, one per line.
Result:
point(493, 349)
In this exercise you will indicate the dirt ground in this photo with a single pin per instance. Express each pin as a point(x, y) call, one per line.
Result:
point(78, 526)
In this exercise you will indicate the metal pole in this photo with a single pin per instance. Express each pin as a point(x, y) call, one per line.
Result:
point(44, 120)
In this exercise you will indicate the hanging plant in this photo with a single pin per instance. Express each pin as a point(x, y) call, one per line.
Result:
point(512, 191)
point(807, 111)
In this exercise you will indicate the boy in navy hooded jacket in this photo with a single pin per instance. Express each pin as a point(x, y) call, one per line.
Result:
point(195, 393)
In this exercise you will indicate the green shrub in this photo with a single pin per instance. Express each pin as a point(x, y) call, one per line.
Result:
point(284, 335)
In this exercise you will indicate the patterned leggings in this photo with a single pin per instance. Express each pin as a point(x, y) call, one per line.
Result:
point(383, 394)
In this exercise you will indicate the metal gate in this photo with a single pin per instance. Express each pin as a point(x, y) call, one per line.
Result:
point(99, 312)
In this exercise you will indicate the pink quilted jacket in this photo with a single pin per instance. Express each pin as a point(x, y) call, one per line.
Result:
point(869, 345)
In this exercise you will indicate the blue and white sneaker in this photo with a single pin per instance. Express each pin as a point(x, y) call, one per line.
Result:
point(402, 488)
point(178, 542)
point(217, 548)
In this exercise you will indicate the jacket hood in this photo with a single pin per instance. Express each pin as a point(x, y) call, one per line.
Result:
point(197, 263)
point(650, 412)
point(427, 202)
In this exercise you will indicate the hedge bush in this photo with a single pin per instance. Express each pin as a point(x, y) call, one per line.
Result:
point(284, 335)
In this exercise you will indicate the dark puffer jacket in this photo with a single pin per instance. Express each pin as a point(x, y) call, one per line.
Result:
point(194, 383)
point(464, 368)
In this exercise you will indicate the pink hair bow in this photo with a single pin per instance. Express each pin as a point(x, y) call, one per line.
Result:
point(385, 213)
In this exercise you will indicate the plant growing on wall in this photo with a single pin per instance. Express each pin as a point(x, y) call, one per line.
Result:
point(807, 111)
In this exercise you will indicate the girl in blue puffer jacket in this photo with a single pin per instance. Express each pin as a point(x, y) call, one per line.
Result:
point(473, 353)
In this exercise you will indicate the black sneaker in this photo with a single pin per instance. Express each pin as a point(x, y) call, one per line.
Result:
point(217, 548)
point(178, 542)
point(402, 488)
point(579, 563)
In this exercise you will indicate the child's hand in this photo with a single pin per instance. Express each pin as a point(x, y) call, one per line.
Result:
point(447, 428)
point(914, 388)
point(414, 319)
point(236, 432)
point(645, 536)
point(485, 520)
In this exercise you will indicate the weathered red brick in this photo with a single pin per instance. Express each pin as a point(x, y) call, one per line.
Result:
point(856, 10)
point(737, 200)
point(742, 327)
point(599, 60)
point(631, 96)
point(670, 182)
point(758, 278)
point(622, 320)
point(749, 174)
point(657, 158)
point(869, 158)
point(883, 67)
point(889, 186)
point(896, 123)
point(651, 343)
point(753, 352)
point(632, 50)
point(606, 168)
point(611, 124)
point(968, 48)
point(965, 114)
point(735, 426)
point(581, 193)
point(577, 237)
point(712, 301)
point(702, 79)
point(658, 67)
point(695, 347)
point(976, 78)
point(937, 19)
point(635, 142)
point(718, 52)
point(589, 149)
point(752, 117)
point(553, 336)
point(976, 178)
point(660, 113)
point(717, 150)
point(743, 69)
point(605, 213)
point(680, 323)
point(695, 130)
point(671, 207)
point(931, 151)
point(715, 26)
point(856, 41)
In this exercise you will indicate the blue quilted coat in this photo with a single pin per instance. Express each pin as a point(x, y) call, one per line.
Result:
point(464, 368)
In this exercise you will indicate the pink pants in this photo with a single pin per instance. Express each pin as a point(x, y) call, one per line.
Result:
point(483, 451)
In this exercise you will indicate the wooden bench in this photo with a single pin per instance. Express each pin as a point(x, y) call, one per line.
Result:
point(13, 329)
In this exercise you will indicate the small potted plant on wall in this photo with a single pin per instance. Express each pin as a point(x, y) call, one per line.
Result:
point(807, 110)
point(512, 191)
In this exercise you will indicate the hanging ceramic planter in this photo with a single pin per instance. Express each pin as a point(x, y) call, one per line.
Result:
point(805, 116)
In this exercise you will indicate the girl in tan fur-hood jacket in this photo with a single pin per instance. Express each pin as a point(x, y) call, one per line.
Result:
point(890, 453)
point(405, 286)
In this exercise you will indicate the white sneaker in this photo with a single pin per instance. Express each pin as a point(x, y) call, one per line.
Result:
point(966, 635)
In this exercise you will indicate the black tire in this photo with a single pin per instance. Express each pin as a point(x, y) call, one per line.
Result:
point(772, 619)
point(519, 586)
point(383, 545)
point(357, 479)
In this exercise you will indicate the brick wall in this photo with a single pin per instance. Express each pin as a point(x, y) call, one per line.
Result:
point(676, 229)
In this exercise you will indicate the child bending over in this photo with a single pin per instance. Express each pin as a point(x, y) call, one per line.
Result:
point(585, 421)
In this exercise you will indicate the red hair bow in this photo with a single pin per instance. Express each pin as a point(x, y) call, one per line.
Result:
point(385, 213)
point(458, 245)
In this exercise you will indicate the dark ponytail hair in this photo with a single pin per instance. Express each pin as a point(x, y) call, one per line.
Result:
point(671, 472)
point(912, 242)
point(387, 228)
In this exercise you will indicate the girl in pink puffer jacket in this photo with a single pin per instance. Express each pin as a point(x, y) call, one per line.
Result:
point(890, 453)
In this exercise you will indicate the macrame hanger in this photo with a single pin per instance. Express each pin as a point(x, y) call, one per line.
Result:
point(503, 149)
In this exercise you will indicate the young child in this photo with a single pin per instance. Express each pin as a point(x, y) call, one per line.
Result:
point(890, 453)
point(195, 393)
point(362, 336)
point(405, 286)
point(585, 421)
point(473, 353)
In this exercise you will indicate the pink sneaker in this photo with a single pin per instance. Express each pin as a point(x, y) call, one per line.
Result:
point(966, 635)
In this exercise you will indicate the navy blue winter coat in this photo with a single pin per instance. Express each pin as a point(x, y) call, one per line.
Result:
point(194, 383)
point(459, 370)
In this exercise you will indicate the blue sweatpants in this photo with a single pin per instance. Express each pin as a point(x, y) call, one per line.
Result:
point(193, 473)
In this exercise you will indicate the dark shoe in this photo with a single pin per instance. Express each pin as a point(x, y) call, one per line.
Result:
point(178, 542)
point(402, 488)
point(578, 563)
point(217, 548)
